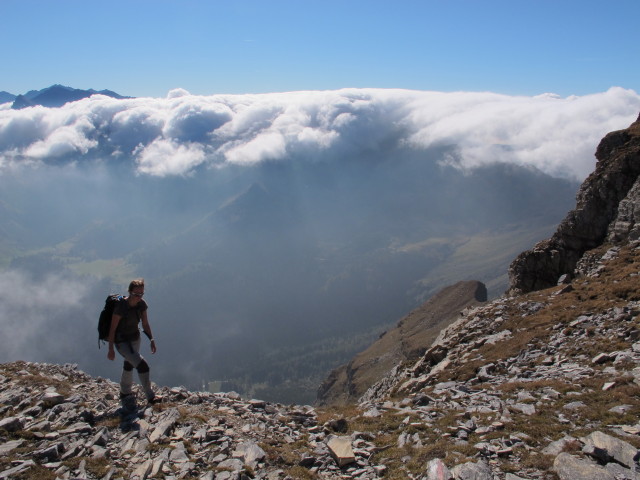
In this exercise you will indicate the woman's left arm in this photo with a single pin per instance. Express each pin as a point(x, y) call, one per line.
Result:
point(146, 328)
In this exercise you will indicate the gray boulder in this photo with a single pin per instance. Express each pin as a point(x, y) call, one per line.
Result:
point(606, 448)
point(12, 424)
point(472, 471)
point(437, 470)
point(569, 467)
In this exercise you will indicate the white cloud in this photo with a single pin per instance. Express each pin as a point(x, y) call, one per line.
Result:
point(177, 93)
point(174, 135)
point(556, 135)
point(265, 146)
point(28, 307)
point(165, 157)
point(64, 140)
point(194, 121)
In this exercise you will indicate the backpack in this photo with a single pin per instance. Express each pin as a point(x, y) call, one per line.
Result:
point(104, 322)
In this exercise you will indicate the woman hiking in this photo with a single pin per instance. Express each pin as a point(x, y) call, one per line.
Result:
point(125, 336)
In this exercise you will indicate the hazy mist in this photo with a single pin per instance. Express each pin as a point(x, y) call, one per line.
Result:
point(278, 234)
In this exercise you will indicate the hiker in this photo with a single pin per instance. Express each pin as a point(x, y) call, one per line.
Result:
point(125, 335)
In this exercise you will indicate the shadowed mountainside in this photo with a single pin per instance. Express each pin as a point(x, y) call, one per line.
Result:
point(404, 343)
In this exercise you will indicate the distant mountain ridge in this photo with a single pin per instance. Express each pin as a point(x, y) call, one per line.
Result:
point(6, 97)
point(53, 96)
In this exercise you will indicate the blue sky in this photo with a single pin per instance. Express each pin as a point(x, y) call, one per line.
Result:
point(146, 48)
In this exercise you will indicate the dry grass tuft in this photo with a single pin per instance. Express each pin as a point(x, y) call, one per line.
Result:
point(301, 473)
point(336, 412)
point(287, 454)
point(531, 460)
point(36, 472)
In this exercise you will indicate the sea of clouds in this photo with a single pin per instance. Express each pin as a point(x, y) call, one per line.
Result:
point(181, 133)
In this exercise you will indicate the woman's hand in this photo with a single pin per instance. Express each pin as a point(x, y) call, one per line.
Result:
point(153, 346)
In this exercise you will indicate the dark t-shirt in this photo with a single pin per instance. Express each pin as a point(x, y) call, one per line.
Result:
point(129, 318)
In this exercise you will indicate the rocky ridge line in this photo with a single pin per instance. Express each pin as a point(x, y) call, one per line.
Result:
point(58, 422)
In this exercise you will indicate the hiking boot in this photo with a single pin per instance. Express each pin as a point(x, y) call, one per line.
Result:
point(128, 402)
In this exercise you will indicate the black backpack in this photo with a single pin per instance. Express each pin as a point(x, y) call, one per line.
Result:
point(104, 322)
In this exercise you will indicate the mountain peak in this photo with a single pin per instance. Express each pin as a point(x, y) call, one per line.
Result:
point(6, 97)
point(56, 96)
point(257, 206)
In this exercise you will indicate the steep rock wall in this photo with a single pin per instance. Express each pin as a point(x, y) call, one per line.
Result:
point(606, 206)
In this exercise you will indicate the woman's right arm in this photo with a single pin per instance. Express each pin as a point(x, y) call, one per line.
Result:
point(115, 320)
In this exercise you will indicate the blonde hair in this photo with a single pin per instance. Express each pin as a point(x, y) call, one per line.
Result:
point(138, 282)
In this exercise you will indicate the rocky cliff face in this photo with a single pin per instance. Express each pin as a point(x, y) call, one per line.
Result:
point(406, 342)
point(607, 205)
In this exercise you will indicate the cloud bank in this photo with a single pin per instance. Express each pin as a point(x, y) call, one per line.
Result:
point(42, 316)
point(178, 134)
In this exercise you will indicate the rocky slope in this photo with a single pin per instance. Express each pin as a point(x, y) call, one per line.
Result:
point(406, 342)
point(537, 385)
point(525, 380)
point(59, 422)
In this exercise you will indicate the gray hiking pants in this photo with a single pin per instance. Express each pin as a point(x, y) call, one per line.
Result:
point(131, 353)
